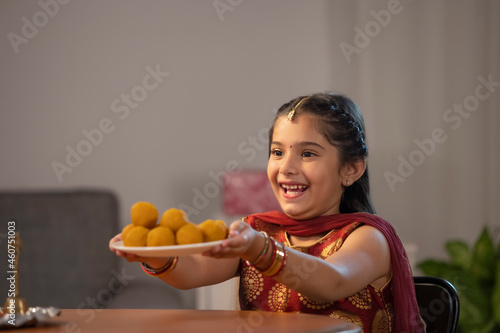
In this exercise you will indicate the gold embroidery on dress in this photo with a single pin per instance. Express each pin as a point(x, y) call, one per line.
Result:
point(381, 322)
point(312, 304)
point(362, 299)
point(328, 250)
point(278, 297)
point(347, 316)
point(252, 284)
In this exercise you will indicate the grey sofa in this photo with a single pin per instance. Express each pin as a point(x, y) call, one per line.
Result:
point(64, 261)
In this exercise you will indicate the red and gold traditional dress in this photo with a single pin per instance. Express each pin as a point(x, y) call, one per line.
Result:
point(371, 308)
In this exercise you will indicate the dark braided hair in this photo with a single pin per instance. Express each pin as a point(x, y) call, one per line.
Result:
point(341, 122)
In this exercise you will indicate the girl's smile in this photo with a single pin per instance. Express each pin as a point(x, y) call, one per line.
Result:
point(292, 190)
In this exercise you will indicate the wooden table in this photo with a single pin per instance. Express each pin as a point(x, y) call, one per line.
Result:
point(179, 321)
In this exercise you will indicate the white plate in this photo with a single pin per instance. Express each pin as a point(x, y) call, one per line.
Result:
point(166, 251)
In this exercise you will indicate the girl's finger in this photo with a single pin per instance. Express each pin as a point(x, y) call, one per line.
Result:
point(114, 240)
point(233, 241)
point(237, 227)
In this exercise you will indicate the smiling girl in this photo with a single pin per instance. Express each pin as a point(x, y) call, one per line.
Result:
point(326, 252)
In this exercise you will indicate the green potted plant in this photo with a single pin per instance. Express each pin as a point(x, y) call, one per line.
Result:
point(475, 273)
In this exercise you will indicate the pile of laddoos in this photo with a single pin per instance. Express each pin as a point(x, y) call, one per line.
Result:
point(174, 228)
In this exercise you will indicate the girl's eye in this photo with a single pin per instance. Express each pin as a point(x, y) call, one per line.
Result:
point(276, 152)
point(308, 154)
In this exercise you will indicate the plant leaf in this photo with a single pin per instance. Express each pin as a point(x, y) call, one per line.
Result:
point(459, 253)
point(495, 299)
point(475, 308)
point(484, 328)
point(432, 267)
point(483, 258)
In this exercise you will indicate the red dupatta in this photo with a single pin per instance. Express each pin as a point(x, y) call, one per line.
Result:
point(406, 314)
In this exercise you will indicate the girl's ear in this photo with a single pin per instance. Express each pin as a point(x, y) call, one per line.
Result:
point(353, 171)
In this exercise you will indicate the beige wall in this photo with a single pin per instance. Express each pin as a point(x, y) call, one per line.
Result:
point(225, 79)
point(226, 75)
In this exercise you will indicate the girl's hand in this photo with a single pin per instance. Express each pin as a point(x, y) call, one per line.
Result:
point(243, 241)
point(152, 262)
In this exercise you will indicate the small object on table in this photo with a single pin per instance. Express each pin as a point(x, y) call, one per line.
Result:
point(15, 312)
point(30, 318)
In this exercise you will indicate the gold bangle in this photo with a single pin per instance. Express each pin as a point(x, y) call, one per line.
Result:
point(263, 252)
point(272, 259)
point(283, 261)
point(277, 264)
point(169, 266)
point(274, 268)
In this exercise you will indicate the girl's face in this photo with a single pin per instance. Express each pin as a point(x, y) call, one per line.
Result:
point(304, 169)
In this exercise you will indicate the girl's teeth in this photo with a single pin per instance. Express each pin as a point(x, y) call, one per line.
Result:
point(294, 189)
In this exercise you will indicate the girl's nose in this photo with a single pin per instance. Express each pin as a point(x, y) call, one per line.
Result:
point(289, 165)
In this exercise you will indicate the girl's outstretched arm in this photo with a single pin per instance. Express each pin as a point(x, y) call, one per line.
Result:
point(363, 259)
point(190, 272)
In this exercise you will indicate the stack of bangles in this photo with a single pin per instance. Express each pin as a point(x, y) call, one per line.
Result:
point(169, 266)
point(278, 255)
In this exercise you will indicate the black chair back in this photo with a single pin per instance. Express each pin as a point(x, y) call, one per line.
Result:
point(438, 304)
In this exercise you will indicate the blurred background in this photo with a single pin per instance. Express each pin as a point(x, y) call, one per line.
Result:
point(157, 100)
